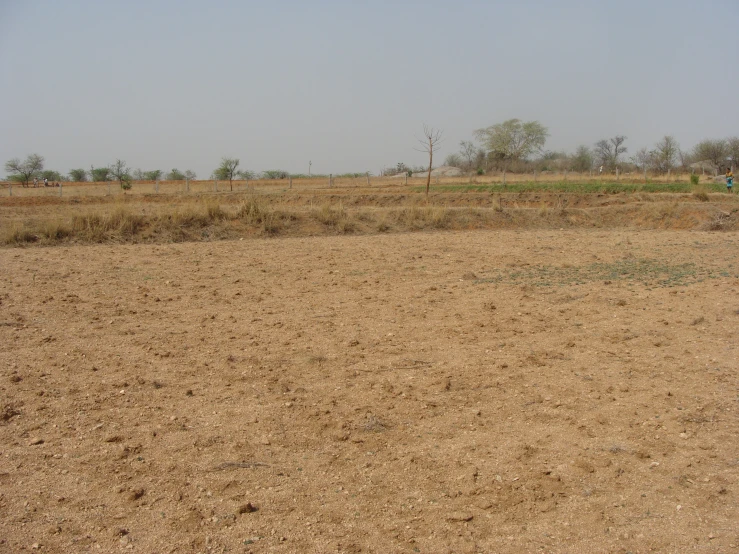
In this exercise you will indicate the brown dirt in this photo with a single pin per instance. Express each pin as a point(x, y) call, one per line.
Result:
point(478, 391)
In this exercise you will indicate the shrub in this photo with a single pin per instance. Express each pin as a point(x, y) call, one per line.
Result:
point(694, 179)
point(701, 195)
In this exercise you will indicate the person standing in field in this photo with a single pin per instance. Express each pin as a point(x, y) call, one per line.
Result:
point(35, 182)
point(729, 179)
point(46, 182)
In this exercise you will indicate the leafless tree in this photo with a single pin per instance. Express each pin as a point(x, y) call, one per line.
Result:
point(666, 153)
point(713, 151)
point(607, 151)
point(469, 153)
point(430, 144)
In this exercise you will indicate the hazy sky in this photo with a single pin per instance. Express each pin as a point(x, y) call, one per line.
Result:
point(348, 85)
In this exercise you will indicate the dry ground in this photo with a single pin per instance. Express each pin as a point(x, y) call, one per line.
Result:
point(477, 391)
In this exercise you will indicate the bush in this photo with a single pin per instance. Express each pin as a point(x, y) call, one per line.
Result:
point(694, 179)
point(481, 171)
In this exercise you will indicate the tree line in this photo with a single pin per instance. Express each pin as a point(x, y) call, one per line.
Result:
point(519, 146)
point(513, 145)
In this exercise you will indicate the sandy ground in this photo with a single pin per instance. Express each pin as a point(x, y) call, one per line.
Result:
point(533, 391)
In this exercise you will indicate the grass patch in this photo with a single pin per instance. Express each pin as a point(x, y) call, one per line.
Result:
point(644, 271)
point(572, 187)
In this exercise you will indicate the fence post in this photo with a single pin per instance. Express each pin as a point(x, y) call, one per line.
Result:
point(156, 186)
point(108, 188)
point(215, 186)
point(368, 179)
point(291, 181)
point(10, 188)
point(565, 174)
point(60, 189)
point(330, 180)
point(616, 174)
point(645, 174)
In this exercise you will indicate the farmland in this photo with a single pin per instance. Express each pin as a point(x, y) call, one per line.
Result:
point(359, 369)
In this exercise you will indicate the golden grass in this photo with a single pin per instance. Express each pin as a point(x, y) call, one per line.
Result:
point(215, 216)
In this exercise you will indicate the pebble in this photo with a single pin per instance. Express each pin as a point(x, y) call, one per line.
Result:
point(35, 441)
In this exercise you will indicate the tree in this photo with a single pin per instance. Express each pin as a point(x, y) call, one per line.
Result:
point(513, 140)
point(24, 171)
point(121, 173)
point(190, 175)
point(78, 175)
point(469, 152)
point(246, 174)
point(666, 151)
point(269, 174)
point(732, 148)
point(582, 159)
point(430, 143)
point(52, 175)
point(100, 174)
point(175, 175)
point(227, 170)
point(714, 151)
point(607, 151)
point(454, 160)
point(153, 175)
point(643, 159)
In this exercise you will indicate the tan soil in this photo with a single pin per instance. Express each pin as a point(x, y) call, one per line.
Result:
point(479, 391)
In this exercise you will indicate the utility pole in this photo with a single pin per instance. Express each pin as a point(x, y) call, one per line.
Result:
point(310, 163)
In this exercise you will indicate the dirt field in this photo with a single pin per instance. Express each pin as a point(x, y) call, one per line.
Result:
point(462, 391)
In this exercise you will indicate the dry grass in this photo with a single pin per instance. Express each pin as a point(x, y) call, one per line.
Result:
point(215, 216)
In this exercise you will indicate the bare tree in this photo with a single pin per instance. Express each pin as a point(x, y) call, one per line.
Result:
point(24, 171)
point(643, 159)
point(617, 141)
point(732, 148)
point(469, 152)
point(429, 144)
point(607, 151)
point(666, 151)
point(513, 140)
point(714, 151)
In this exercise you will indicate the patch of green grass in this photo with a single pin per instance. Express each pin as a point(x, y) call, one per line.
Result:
point(643, 271)
point(574, 187)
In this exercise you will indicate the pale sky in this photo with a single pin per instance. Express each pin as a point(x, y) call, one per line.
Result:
point(348, 85)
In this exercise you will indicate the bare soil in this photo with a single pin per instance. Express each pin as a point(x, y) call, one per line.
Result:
point(438, 392)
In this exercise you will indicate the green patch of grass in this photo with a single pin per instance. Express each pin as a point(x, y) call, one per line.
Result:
point(573, 187)
point(644, 271)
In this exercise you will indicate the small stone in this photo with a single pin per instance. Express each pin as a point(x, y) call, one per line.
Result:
point(35, 546)
point(246, 508)
point(35, 441)
point(136, 494)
